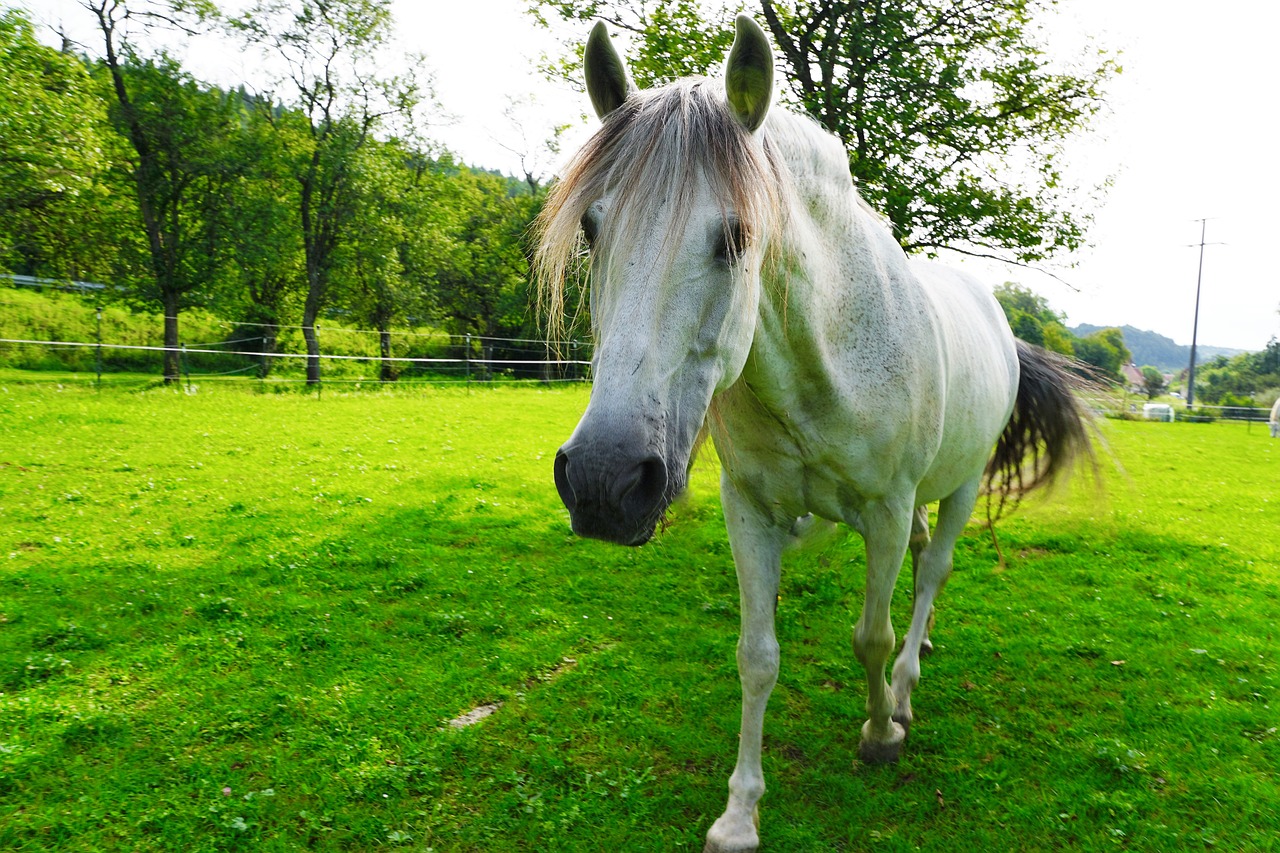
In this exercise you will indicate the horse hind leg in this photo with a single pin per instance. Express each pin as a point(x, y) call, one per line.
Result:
point(919, 540)
point(932, 567)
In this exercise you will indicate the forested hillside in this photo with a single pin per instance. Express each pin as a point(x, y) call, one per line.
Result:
point(1228, 377)
point(1158, 351)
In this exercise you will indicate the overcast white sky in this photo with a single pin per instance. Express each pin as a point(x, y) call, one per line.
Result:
point(1190, 136)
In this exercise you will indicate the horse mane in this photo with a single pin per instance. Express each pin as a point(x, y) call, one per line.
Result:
point(647, 156)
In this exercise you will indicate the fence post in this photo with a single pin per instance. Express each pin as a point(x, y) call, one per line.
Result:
point(182, 360)
point(98, 382)
point(467, 357)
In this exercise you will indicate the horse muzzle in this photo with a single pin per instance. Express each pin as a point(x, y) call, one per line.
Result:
point(614, 496)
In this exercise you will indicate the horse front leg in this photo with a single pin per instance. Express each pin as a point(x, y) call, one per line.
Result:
point(757, 542)
point(886, 528)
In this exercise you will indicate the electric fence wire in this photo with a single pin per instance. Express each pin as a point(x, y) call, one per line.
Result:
point(397, 333)
point(329, 356)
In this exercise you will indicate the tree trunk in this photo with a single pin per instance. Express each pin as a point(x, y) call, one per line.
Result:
point(172, 360)
point(313, 353)
point(309, 313)
point(387, 370)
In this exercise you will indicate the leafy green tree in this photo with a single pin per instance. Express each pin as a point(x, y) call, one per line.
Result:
point(953, 113)
point(1058, 338)
point(178, 131)
point(370, 262)
point(1029, 328)
point(482, 289)
point(433, 207)
point(1104, 351)
point(331, 49)
point(1032, 320)
point(1242, 379)
point(1267, 361)
point(1153, 382)
point(261, 244)
point(59, 213)
point(51, 121)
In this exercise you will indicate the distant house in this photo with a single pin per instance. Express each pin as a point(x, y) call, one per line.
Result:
point(1133, 378)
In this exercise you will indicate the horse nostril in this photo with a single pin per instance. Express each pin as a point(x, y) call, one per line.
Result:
point(644, 487)
point(563, 484)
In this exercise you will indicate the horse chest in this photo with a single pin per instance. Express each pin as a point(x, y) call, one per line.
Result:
point(800, 461)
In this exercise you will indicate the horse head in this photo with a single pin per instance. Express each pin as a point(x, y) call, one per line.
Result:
point(674, 197)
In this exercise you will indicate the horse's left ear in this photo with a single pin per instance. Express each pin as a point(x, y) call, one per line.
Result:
point(748, 74)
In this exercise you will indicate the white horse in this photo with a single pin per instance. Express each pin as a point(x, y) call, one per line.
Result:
point(738, 285)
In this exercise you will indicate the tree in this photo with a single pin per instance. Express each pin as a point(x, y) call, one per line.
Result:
point(50, 121)
point(952, 112)
point(261, 244)
point(177, 131)
point(1241, 380)
point(1058, 338)
point(482, 288)
point(1032, 320)
point(1268, 360)
point(55, 202)
point(537, 155)
point(1104, 351)
point(371, 261)
point(330, 50)
point(1153, 382)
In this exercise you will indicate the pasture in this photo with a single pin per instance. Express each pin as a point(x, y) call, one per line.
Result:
point(240, 621)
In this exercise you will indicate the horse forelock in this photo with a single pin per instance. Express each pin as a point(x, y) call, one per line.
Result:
point(648, 156)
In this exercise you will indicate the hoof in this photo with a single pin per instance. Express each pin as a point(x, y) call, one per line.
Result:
point(724, 837)
point(926, 647)
point(716, 847)
point(882, 751)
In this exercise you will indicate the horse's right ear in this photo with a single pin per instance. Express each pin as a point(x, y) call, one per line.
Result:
point(608, 82)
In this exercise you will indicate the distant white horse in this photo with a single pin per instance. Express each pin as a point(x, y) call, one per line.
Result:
point(739, 285)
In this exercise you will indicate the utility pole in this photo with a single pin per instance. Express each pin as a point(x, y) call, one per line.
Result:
point(1195, 323)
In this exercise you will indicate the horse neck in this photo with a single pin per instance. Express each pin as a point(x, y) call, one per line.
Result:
point(837, 302)
point(837, 267)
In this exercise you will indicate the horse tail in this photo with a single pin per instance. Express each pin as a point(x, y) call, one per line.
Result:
point(1047, 433)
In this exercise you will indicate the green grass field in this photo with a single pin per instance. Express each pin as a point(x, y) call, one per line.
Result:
point(238, 621)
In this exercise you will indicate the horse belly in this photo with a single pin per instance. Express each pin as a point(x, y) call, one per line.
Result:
point(954, 468)
point(979, 364)
point(971, 427)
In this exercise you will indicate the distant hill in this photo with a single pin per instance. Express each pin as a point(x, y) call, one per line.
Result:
point(1158, 351)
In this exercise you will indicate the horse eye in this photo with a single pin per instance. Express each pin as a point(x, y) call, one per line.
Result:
point(731, 243)
point(589, 228)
